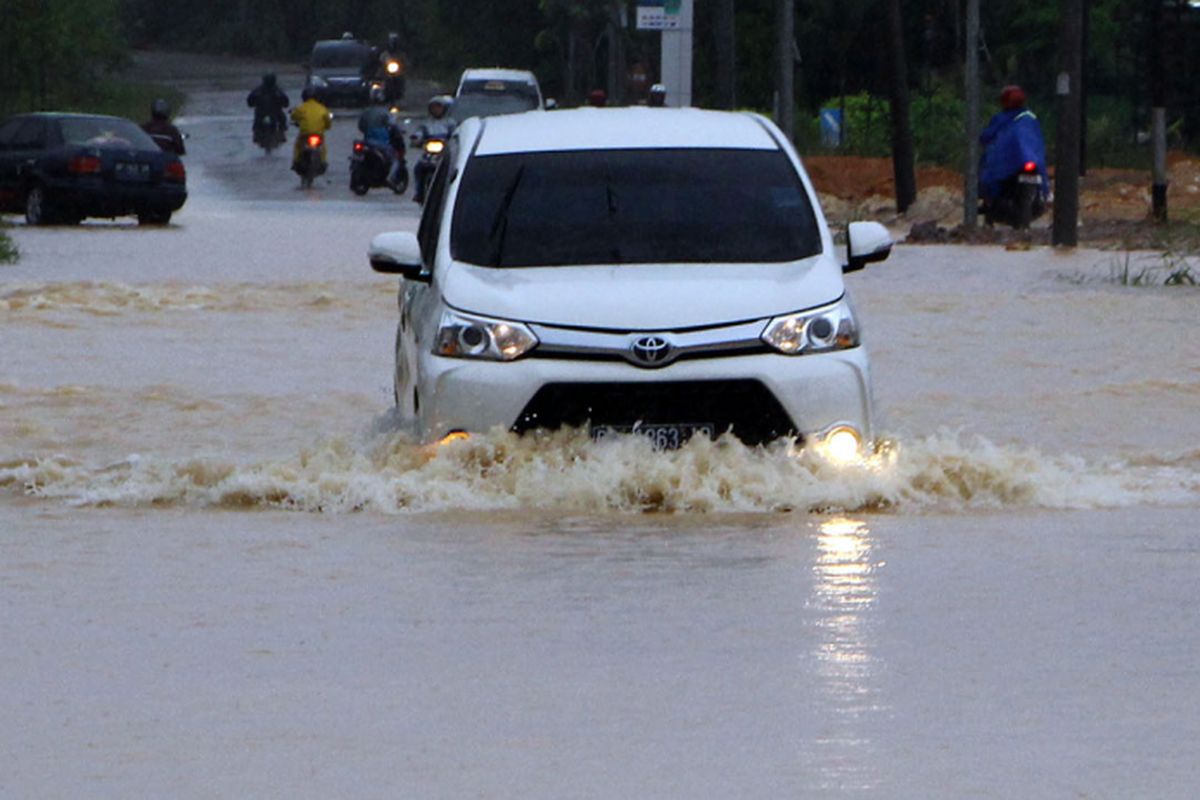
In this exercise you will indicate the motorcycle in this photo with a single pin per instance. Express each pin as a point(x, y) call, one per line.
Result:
point(1020, 200)
point(309, 163)
point(269, 134)
point(1012, 173)
point(370, 166)
point(431, 154)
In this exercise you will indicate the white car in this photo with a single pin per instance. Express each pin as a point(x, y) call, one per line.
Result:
point(658, 271)
point(500, 88)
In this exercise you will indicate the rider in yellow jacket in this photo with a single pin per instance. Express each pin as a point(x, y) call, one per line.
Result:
point(312, 117)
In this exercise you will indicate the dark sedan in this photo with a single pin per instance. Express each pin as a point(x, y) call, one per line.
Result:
point(60, 168)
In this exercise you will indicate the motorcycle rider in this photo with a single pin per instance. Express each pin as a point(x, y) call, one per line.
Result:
point(1012, 136)
point(377, 69)
point(379, 130)
point(438, 126)
point(164, 134)
point(312, 117)
point(268, 102)
point(658, 96)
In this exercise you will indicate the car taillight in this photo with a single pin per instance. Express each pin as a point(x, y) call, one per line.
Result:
point(1031, 166)
point(314, 140)
point(175, 171)
point(84, 165)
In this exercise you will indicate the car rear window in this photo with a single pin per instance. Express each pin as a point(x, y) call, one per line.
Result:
point(105, 132)
point(339, 54)
point(499, 87)
point(632, 207)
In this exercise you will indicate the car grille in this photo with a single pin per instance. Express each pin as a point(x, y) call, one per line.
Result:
point(746, 406)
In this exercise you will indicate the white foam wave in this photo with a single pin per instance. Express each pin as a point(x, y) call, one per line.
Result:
point(566, 471)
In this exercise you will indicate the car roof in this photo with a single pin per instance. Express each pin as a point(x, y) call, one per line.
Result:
point(497, 74)
point(623, 129)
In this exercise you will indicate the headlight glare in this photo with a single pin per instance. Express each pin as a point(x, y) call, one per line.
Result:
point(831, 327)
point(466, 336)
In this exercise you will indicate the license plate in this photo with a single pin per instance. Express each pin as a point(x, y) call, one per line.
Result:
point(127, 171)
point(668, 436)
point(1036, 180)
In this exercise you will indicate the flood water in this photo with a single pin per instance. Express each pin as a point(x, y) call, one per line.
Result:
point(227, 572)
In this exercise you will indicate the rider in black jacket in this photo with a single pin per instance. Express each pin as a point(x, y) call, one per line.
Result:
point(268, 102)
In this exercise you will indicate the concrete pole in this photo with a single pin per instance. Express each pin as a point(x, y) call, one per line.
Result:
point(676, 69)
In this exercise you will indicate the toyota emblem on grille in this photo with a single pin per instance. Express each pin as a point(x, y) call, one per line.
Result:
point(651, 351)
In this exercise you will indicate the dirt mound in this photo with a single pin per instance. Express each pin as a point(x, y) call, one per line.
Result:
point(1114, 204)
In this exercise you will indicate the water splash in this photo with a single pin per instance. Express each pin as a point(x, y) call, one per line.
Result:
point(390, 473)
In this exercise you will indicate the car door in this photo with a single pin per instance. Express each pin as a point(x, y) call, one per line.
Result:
point(10, 189)
point(419, 307)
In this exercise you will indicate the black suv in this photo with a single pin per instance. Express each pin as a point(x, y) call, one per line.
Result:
point(336, 72)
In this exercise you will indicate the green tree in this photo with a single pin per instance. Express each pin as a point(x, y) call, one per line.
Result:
point(56, 51)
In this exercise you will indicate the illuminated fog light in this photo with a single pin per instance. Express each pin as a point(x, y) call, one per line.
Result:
point(842, 445)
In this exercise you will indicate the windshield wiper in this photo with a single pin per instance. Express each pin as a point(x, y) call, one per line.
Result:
point(499, 230)
point(611, 195)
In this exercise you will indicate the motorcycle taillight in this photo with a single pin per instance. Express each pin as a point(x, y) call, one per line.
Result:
point(359, 147)
point(1031, 166)
point(314, 140)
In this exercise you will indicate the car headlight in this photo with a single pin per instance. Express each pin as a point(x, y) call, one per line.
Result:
point(317, 82)
point(818, 330)
point(466, 336)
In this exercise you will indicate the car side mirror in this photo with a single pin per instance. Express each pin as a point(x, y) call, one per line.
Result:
point(866, 243)
point(398, 253)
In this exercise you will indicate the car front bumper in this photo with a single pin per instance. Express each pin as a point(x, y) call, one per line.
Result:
point(816, 391)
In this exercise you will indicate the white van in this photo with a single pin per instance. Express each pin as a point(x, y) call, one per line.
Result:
point(666, 272)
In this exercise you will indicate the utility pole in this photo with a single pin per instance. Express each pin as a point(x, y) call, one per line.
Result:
point(971, 48)
point(903, 155)
point(1158, 113)
point(1070, 107)
point(786, 88)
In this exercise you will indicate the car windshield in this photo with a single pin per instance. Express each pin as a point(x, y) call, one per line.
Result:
point(105, 132)
point(339, 55)
point(497, 87)
point(632, 207)
point(482, 105)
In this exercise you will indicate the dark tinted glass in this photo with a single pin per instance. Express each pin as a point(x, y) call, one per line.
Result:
point(482, 105)
point(499, 87)
point(632, 207)
point(340, 54)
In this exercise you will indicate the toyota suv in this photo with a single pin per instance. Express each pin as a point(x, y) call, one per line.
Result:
point(665, 272)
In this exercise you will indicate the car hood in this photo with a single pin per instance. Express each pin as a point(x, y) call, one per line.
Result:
point(643, 296)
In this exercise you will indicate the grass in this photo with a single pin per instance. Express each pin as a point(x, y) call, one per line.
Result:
point(1169, 268)
point(8, 249)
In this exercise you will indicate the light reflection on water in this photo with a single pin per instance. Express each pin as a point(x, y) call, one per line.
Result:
point(844, 594)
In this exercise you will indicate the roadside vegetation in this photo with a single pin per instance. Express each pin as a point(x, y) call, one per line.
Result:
point(8, 249)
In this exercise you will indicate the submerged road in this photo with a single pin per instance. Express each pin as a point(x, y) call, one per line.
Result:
point(225, 572)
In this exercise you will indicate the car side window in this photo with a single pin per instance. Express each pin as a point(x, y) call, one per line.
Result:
point(435, 201)
point(31, 135)
point(7, 131)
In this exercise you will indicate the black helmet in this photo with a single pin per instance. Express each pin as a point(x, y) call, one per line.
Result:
point(159, 109)
point(393, 42)
point(307, 93)
point(269, 79)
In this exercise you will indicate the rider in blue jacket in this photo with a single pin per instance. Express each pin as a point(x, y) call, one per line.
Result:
point(1013, 138)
